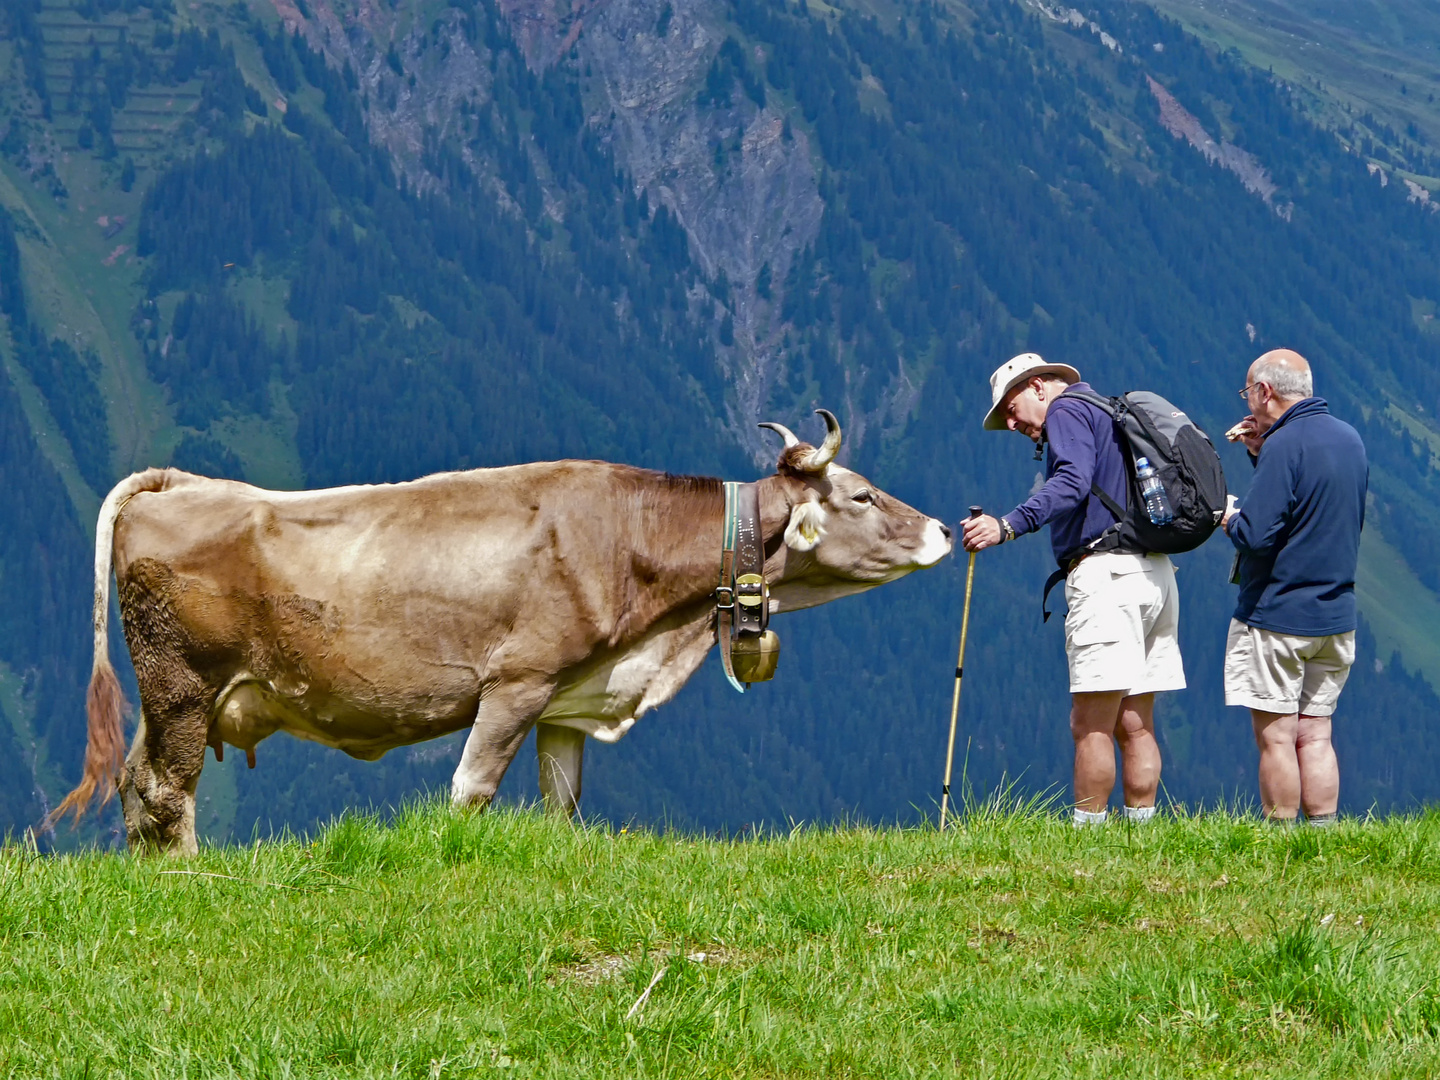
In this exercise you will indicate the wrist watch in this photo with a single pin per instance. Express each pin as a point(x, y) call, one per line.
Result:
point(1007, 532)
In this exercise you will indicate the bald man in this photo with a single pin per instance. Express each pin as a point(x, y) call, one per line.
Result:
point(1297, 537)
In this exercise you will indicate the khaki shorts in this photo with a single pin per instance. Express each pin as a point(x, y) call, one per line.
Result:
point(1285, 673)
point(1121, 632)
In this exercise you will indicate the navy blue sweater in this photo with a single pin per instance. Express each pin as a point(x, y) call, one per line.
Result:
point(1298, 530)
point(1082, 446)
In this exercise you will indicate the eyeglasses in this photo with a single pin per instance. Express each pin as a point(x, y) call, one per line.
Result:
point(1246, 392)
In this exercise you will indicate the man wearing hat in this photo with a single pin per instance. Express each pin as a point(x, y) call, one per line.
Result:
point(1120, 632)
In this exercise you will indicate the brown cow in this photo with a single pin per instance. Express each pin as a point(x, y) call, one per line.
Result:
point(576, 595)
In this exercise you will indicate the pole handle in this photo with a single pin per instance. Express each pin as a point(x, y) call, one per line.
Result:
point(976, 511)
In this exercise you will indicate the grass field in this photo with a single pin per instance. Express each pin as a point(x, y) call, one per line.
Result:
point(513, 944)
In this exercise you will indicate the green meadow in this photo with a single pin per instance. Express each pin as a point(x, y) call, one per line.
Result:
point(514, 944)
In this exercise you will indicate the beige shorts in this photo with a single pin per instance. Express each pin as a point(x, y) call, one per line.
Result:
point(1121, 632)
point(1285, 673)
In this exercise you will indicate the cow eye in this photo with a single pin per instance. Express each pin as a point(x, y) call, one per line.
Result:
point(863, 496)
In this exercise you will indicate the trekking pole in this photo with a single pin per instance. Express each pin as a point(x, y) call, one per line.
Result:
point(959, 674)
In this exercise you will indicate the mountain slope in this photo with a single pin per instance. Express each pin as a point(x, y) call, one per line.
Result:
point(321, 244)
point(1348, 61)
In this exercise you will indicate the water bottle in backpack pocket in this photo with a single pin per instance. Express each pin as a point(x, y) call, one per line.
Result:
point(1152, 490)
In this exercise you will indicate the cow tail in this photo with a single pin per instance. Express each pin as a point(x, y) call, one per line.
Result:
point(105, 702)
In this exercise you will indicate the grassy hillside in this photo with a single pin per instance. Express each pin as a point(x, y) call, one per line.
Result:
point(1404, 616)
point(517, 945)
point(1347, 58)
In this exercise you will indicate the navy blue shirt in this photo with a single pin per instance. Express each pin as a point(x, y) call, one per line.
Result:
point(1082, 447)
point(1298, 530)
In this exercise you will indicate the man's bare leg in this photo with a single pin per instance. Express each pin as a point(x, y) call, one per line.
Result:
point(1139, 752)
point(1093, 717)
point(1275, 735)
point(1319, 771)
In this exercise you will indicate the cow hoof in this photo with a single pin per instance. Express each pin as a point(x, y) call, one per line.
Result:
point(463, 797)
point(178, 846)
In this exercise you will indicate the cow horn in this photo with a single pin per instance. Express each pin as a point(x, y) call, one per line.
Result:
point(784, 432)
point(827, 450)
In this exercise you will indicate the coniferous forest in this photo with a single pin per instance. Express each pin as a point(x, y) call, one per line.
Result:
point(307, 298)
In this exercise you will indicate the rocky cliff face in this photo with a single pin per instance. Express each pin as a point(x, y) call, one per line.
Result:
point(739, 177)
point(416, 83)
point(1182, 125)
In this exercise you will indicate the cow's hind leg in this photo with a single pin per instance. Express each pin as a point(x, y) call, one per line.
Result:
point(502, 721)
point(157, 789)
point(561, 751)
point(157, 786)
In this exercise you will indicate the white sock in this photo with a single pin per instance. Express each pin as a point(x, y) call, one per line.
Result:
point(1139, 814)
point(1087, 817)
point(1322, 821)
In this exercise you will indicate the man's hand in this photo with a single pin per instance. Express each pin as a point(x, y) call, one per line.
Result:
point(1232, 507)
point(980, 532)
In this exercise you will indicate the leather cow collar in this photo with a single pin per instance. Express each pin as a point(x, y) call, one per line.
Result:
point(742, 599)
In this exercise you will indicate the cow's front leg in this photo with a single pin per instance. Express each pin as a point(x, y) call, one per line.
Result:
point(502, 721)
point(561, 751)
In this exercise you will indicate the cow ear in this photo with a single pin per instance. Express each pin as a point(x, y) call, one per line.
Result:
point(807, 526)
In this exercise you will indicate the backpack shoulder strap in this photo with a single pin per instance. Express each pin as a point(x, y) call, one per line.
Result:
point(1107, 405)
point(1111, 407)
point(1110, 504)
point(1054, 579)
point(1108, 540)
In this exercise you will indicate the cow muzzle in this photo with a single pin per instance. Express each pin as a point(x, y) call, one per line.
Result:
point(936, 542)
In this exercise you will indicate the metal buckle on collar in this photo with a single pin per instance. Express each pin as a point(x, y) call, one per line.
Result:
point(750, 590)
point(727, 602)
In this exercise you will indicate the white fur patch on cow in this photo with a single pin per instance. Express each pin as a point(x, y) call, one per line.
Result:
point(607, 701)
point(606, 731)
point(806, 528)
point(935, 545)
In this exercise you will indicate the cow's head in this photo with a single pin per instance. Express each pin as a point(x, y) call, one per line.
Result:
point(842, 534)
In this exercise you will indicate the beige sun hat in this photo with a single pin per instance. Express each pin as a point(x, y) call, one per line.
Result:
point(1011, 374)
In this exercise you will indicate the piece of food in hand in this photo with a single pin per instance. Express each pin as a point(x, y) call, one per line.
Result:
point(1244, 427)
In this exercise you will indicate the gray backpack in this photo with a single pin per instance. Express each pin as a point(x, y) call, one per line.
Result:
point(1187, 464)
